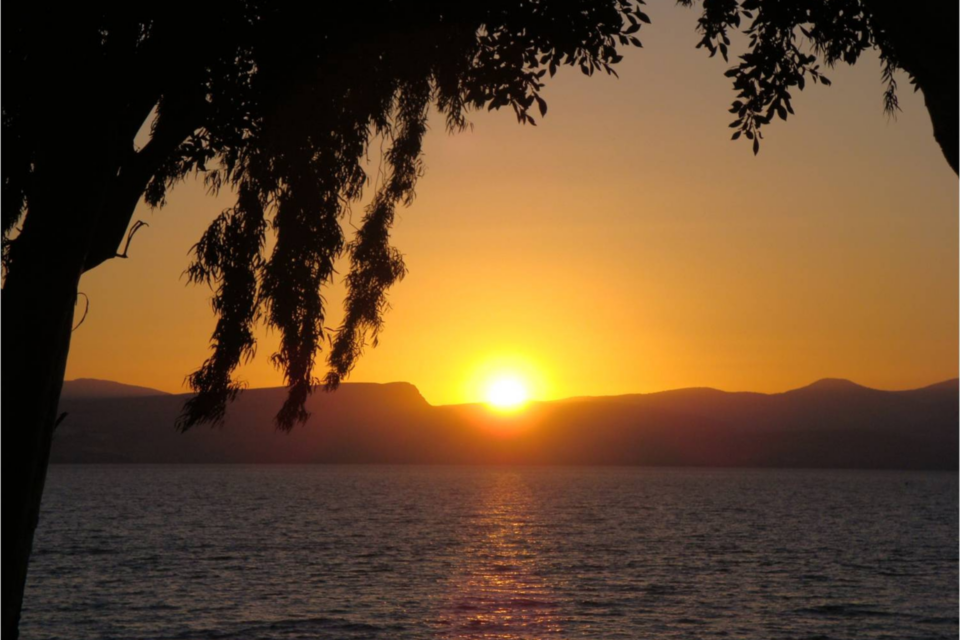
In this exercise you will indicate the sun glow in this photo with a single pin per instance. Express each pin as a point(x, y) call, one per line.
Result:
point(507, 393)
point(504, 380)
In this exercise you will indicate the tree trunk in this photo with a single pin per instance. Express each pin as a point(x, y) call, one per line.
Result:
point(37, 316)
point(80, 205)
point(39, 295)
point(924, 38)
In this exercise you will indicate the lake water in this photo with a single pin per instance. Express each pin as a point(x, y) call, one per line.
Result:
point(252, 552)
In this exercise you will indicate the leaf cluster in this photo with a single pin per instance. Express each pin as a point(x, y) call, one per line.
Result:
point(786, 42)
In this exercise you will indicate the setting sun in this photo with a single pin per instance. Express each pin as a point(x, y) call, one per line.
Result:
point(507, 393)
point(505, 379)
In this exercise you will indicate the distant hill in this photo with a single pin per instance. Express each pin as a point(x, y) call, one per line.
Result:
point(93, 388)
point(830, 423)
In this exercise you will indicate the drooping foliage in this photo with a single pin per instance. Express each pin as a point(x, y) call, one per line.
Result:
point(787, 42)
point(311, 101)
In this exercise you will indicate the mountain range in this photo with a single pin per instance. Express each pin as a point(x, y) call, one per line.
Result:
point(829, 424)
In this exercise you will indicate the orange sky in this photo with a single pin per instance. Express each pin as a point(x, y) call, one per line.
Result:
point(623, 245)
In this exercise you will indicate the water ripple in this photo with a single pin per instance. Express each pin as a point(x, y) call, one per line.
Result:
point(283, 552)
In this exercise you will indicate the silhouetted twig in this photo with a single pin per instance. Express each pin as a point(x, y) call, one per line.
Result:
point(86, 309)
point(136, 227)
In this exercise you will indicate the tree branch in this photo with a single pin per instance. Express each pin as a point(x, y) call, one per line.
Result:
point(132, 179)
point(86, 309)
point(136, 227)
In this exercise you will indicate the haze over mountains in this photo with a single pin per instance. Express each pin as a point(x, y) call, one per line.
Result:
point(831, 423)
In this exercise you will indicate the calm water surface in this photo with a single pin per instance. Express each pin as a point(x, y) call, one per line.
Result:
point(443, 552)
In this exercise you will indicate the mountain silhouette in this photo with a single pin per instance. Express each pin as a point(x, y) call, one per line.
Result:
point(831, 423)
point(93, 388)
point(833, 384)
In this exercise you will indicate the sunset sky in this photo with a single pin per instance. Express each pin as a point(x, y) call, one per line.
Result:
point(623, 245)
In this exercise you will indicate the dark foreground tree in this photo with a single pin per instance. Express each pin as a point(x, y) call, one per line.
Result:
point(280, 103)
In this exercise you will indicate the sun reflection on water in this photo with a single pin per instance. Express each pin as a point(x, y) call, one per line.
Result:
point(498, 590)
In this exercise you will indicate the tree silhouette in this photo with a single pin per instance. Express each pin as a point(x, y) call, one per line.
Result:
point(789, 40)
point(279, 103)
